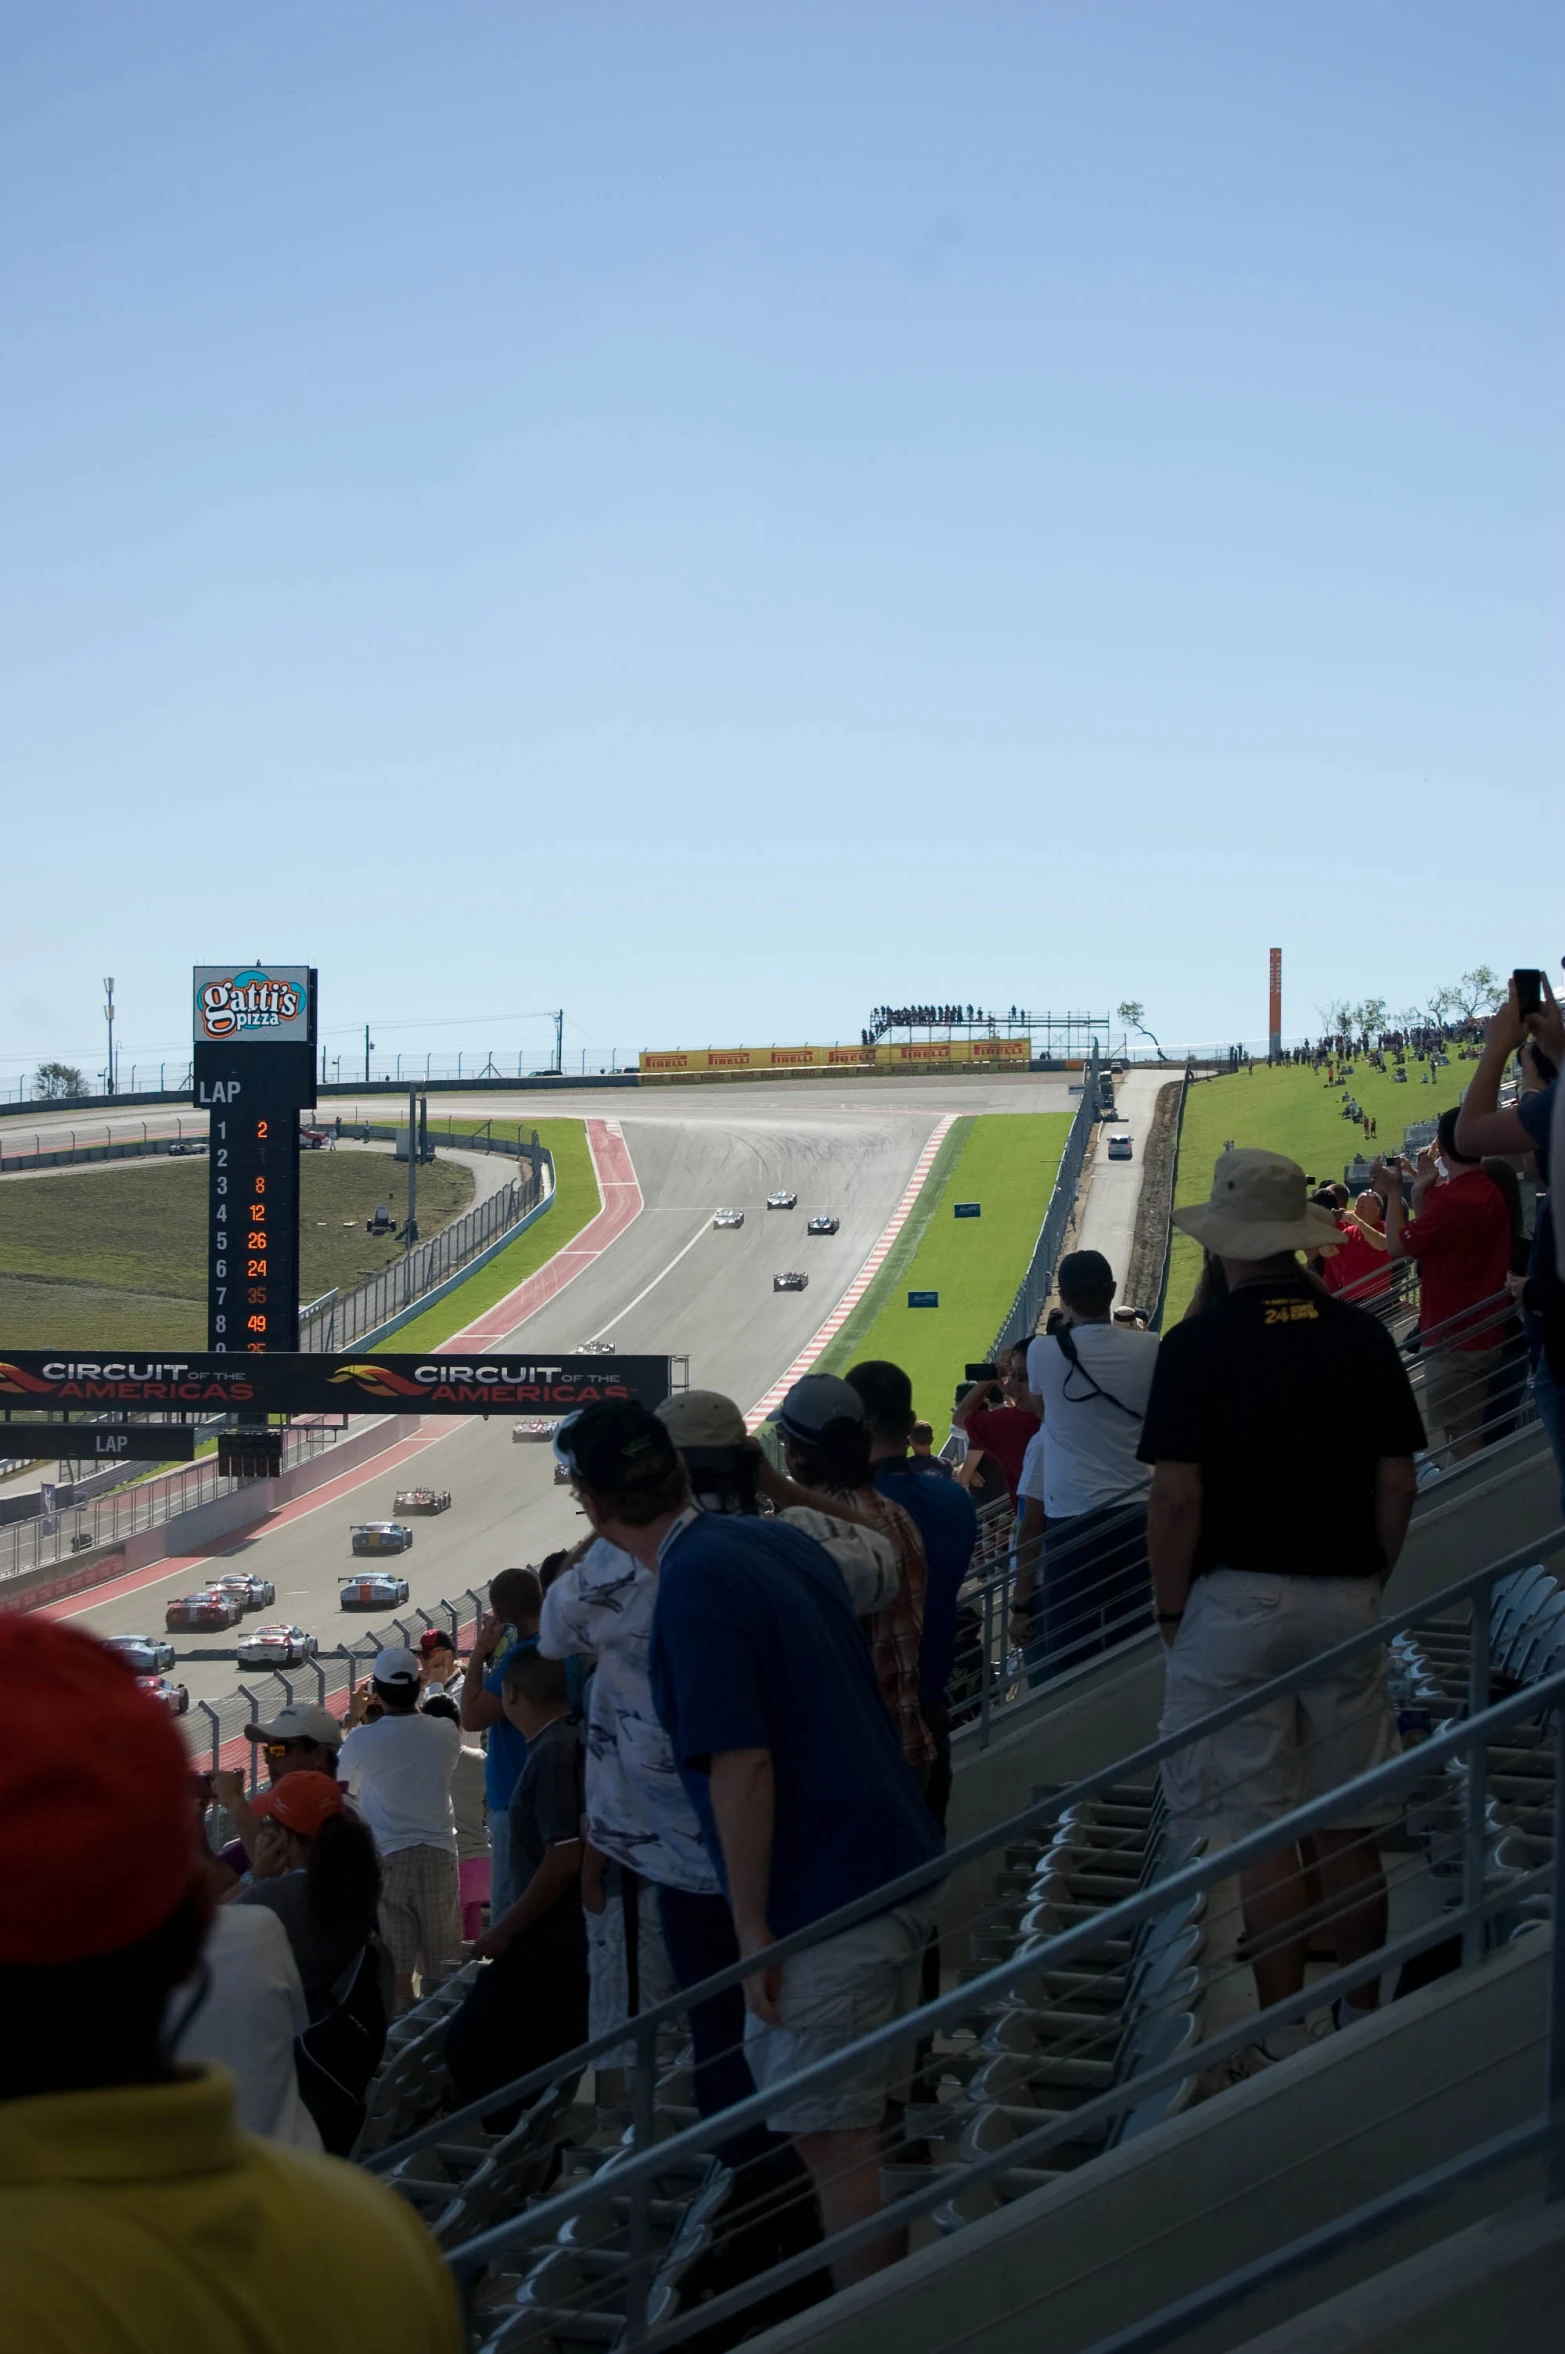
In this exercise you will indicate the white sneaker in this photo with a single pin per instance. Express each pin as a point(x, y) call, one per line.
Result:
point(1269, 2051)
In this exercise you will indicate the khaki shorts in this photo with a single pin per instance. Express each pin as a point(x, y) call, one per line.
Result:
point(1456, 1388)
point(421, 1911)
point(831, 1995)
point(1240, 1629)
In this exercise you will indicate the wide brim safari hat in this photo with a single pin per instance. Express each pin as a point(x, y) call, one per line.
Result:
point(1259, 1205)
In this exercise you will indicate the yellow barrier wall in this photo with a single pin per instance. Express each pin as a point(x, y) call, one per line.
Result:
point(959, 1053)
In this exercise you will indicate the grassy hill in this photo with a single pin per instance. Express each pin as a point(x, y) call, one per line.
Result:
point(1293, 1111)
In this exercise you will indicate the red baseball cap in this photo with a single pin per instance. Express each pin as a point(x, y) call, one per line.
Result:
point(301, 1802)
point(97, 1799)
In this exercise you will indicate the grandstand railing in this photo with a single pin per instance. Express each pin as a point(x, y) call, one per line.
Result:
point(212, 1727)
point(357, 1316)
point(1454, 1804)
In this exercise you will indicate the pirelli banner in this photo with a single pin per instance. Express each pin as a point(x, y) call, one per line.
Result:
point(750, 1062)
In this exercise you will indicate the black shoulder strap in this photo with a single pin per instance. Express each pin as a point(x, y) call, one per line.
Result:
point(1095, 1388)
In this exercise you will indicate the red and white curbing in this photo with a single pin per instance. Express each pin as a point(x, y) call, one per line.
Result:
point(861, 1282)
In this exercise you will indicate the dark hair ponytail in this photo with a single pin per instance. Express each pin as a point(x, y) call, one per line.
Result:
point(342, 1885)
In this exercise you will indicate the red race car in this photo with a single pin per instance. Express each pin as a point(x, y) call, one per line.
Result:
point(196, 1614)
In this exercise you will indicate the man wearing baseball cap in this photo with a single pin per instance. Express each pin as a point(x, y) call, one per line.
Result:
point(765, 1686)
point(398, 1772)
point(1090, 1379)
point(1281, 1430)
point(133, 2211)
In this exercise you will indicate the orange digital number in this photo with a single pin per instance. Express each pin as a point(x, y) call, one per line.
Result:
point(255, 1323)
point(262, 1131)
point(255, 1344)
point(258, 1213)
point(255, 1242)
point(260, 1185)
point(255, 1266)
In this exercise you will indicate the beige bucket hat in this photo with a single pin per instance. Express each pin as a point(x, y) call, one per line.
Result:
point(1259, 1205)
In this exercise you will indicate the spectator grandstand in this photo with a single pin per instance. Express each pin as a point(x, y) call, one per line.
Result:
point(1172, 2004)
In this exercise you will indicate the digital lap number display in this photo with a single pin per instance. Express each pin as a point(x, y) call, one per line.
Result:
point(253, 1286)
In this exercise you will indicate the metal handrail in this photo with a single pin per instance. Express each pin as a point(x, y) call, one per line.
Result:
point(638, 2172)
point(925, 1877)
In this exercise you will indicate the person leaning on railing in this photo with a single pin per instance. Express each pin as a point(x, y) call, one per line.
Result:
point(1277, 1513)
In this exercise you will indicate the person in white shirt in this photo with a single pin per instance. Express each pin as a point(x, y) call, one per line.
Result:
point(1090, 1379)
point(249, 2008)
point(398, 1770)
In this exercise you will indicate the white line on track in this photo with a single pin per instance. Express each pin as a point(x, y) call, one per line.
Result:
point(619, 1313)
point(861, 1282)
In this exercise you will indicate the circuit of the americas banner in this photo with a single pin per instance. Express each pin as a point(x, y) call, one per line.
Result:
point(959, 1053)
point(492, 1383)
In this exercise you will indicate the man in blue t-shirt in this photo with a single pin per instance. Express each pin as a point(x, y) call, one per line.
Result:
point(510, 1624)
point(763, 1680)
point(947, 1520)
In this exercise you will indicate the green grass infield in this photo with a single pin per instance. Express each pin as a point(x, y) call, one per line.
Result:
point(1005, 1161)
point(577, 1202)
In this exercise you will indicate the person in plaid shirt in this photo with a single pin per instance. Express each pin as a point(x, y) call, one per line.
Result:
point(827, 1438)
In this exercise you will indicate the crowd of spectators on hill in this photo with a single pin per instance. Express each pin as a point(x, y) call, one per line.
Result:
point(886, 1018)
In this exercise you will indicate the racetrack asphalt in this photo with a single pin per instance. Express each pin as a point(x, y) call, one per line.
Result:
point(667, 1283)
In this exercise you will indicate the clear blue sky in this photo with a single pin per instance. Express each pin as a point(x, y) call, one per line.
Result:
point(715, 515)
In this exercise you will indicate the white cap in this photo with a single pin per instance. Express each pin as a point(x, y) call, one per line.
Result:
point(298, 1723)
point(396, 1665)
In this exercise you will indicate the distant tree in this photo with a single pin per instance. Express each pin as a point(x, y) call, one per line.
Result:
point(57, 1079)
point(1133, 1014)
point(1373, 1017)
point(1443, 1002)
point(1336, 1016)
point(1478, 992)
point(1412, 1017)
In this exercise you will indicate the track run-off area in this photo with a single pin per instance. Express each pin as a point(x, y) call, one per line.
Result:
point(650, 1274)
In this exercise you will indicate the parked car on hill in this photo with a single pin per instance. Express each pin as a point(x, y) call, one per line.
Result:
point(1119, 1149)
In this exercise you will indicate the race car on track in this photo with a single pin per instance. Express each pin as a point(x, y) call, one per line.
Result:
point(824, 1225)
point(1119, 1148)
point(202, 1613)
point(782, 1199)
point(381, 1536)
point(373, 1589)
point(146, 1655)
point(249, 1591)
point(729, 1218)
point(596, 1348)
point(790, 1280)
point(278, 1646)
point(421, 1500)
point(174, 1696)
point(536, 1426)
point(184, 1148)
point(562, 1475)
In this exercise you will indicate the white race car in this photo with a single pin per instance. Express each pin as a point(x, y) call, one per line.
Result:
point(146, 1655)
point(280, 1646)
point(729, 1218)
point(251, 1593)
point(536, 1426)
point(825, 1224)
point(372, 1589)
point(782, 1199)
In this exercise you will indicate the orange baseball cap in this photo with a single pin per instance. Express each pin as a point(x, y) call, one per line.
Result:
point(97, 1800)
point(302, 1802)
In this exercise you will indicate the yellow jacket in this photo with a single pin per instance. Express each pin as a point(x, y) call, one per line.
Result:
point(140, 2220)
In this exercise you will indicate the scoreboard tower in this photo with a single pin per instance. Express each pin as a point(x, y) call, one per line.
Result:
point(254, 1072)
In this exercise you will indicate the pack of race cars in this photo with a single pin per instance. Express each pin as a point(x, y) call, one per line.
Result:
point(784, 1198)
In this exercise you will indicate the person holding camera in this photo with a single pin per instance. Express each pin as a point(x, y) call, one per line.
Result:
point(1091, 1379)
point(1458, 1230)
point(995, 1416)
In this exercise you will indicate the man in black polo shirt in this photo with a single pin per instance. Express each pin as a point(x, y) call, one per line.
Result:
point(1281, 1430)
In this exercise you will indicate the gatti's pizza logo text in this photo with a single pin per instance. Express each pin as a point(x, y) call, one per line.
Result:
point(250, 1001)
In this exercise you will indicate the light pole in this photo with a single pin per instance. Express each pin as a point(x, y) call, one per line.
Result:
point(108, 1012)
